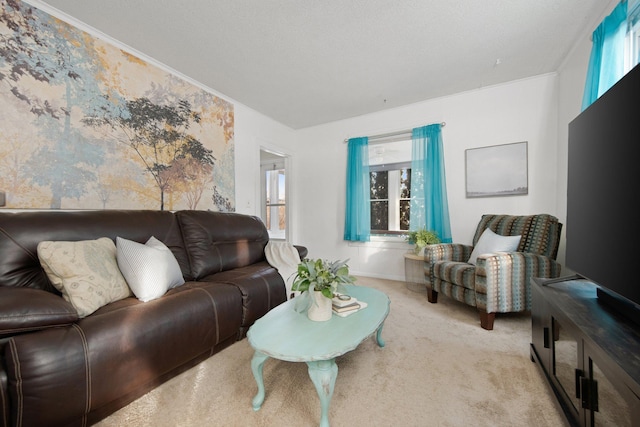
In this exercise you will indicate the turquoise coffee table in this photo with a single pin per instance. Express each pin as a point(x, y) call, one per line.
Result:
point(288, 335)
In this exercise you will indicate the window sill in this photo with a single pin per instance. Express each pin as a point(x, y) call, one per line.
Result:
point(389, 242)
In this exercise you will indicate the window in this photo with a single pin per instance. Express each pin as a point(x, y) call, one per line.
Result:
point(390, 185)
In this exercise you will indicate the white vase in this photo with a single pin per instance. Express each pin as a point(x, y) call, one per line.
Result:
point(319, 308)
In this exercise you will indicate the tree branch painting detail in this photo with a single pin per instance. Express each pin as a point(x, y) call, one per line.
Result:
point(85, 125)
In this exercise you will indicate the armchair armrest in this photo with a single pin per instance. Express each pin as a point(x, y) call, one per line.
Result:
point(503, 280)
point(447, 252)
point(443, 252)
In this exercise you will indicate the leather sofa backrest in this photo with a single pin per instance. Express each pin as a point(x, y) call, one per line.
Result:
point(20, 234)
point(540, 233)
point(217, 241)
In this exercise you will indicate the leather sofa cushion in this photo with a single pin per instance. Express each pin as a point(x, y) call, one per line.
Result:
point(152, 338)
point(261, 287)
point(217, 241)
point(26, 309)
point(21, 233)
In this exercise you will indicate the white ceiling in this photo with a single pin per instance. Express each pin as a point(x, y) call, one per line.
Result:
point(305, 63)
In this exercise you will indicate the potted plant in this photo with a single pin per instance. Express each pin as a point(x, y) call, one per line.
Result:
point(421, 238)
point(320, 279)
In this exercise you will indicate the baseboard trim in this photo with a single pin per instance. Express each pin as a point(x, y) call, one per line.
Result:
point(378, 276)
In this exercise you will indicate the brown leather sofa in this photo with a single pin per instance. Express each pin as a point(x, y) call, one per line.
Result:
point(57, 369)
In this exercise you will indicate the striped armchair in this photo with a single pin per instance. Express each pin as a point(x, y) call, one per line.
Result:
point(498, 282)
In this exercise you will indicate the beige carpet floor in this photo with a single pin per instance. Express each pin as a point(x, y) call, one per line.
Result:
point(438, 368)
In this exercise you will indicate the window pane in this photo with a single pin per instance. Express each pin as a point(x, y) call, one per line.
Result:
point(379, 215)
point(404, 214)
point(405, 197)
point(268, 220)
point(276, 201)
point(379, 188)
point(405, 183)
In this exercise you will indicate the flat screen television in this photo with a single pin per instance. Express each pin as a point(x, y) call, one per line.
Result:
point(603, 222)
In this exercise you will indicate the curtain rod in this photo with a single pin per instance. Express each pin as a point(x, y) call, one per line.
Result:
point(392, 134)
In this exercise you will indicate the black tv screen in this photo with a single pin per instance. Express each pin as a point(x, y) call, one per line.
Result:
point(602, 227)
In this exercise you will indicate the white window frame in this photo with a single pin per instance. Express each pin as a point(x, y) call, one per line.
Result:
point(394, 152)
point(632, 49)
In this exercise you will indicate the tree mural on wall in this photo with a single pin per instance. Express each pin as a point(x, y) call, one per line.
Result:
point(158, 135)
point(35, 51)
point(102, 128)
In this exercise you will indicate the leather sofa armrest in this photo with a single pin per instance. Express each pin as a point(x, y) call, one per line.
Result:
point(302, 251)
point(4, 393)
point(27, 309)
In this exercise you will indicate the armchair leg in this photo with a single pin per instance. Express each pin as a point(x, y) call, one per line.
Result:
point(486, 320)
point(432, 296)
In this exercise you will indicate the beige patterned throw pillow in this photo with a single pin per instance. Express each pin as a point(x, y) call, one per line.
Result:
point(85, 272)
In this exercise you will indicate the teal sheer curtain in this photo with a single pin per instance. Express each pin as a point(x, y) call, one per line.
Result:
point(357, 223)
point(429, 204)
point(606, 63)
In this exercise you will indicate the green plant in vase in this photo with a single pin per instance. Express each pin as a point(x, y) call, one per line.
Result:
point(322, 275)
point(421, 238)
point(319, 280)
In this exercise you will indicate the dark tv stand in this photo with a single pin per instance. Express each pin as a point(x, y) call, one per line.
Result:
point(618, 305)
point(589, 355)
point(547, 282)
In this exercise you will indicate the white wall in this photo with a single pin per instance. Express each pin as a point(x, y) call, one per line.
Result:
point(536, 110)
point(253, 131)
point(524, 110)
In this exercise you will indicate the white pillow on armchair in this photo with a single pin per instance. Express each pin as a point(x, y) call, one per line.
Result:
point(490, 242)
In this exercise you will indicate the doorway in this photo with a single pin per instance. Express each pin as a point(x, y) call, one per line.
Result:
point(273, 184)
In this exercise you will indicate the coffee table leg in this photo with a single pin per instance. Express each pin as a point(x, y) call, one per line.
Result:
point(323, 374)
point(257, 363)
point(379, 336)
